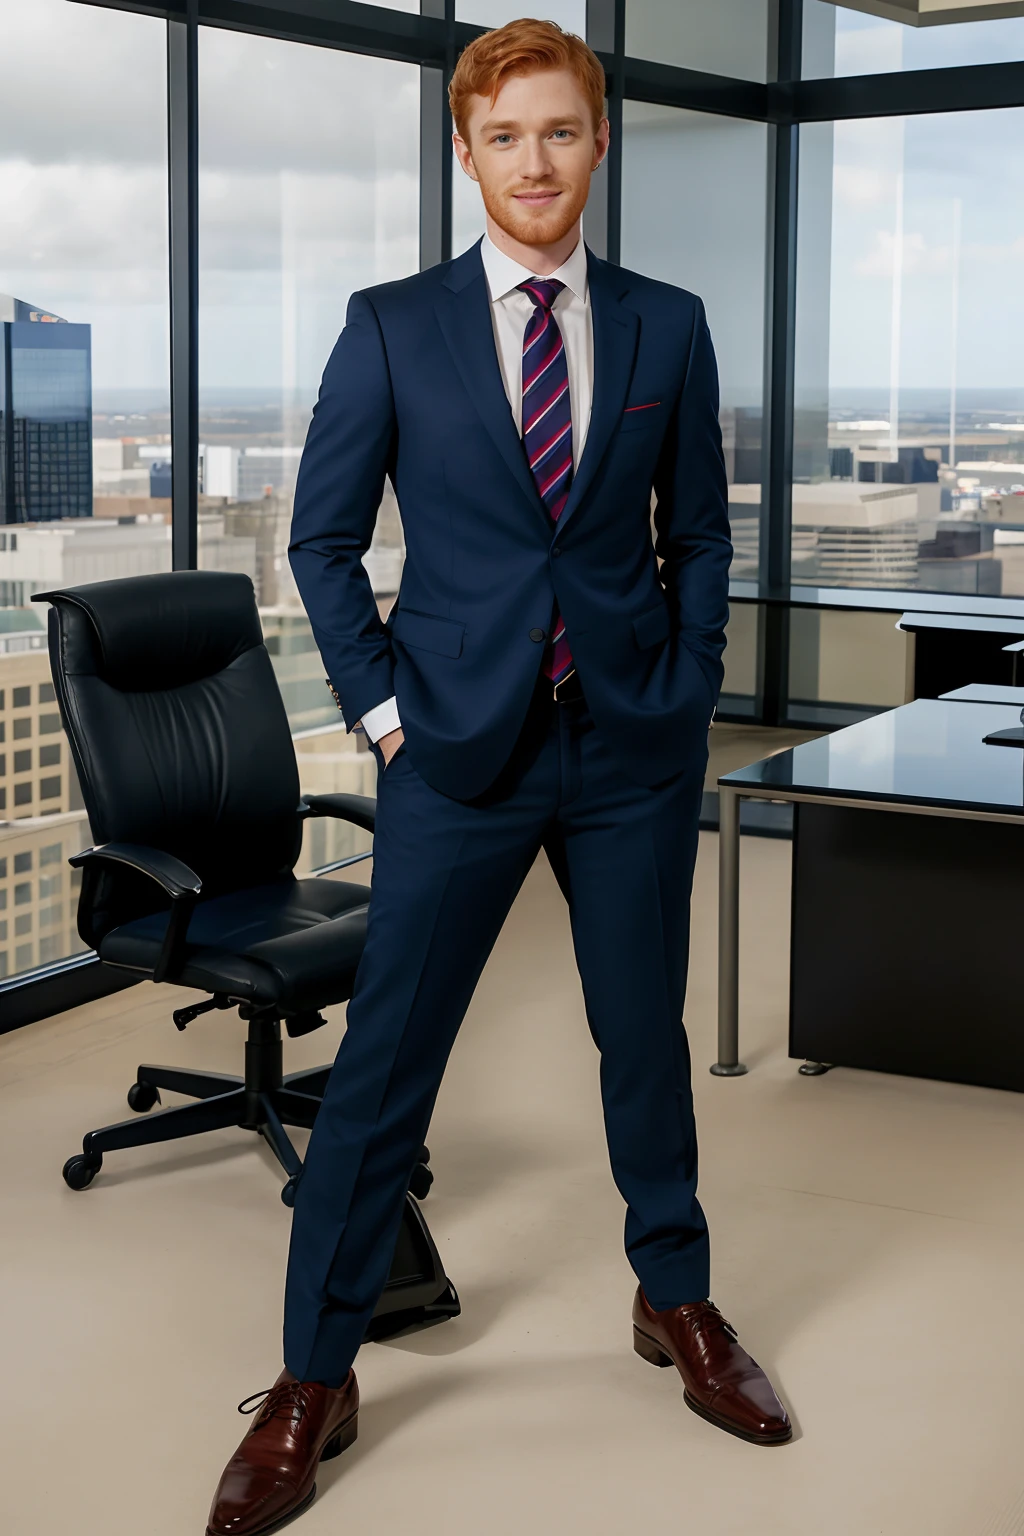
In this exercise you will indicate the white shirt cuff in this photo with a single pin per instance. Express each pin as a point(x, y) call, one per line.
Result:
point(381, 719)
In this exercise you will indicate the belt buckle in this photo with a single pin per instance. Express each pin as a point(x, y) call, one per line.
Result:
point(561, 680)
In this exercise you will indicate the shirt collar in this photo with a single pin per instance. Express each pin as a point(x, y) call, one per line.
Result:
point(504, 275)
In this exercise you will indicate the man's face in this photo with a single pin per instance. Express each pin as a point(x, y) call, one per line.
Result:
point(533, 150)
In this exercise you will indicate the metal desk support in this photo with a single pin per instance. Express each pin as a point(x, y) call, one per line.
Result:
point(728, 1063)
point(729, 797)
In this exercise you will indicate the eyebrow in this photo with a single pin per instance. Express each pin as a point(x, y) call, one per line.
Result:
point(571, 121)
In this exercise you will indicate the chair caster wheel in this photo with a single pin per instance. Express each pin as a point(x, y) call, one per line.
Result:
point(288, 1191)
point(142, 1096)
point(80, 1171)
point(419, 1184)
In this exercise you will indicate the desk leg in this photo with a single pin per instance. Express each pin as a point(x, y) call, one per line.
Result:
point(728, 1063)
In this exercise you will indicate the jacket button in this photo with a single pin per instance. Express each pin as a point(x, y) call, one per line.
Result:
point(555, 553)
point(538, 635)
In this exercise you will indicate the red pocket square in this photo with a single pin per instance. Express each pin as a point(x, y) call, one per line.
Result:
point(649, 407)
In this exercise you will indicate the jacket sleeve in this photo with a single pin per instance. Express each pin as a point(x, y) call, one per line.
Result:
point(348, 453)
point(691, 518)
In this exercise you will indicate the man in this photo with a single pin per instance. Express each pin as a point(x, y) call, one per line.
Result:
point(540, 684)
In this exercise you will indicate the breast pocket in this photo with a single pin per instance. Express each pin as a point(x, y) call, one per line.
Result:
point(425, 632)
point(643, 413)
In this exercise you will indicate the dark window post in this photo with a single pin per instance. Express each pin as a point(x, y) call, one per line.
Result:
point(435, 146)
point(780, 340)
point(183, 199)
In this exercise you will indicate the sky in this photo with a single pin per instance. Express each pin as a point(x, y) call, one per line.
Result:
point(309, 189)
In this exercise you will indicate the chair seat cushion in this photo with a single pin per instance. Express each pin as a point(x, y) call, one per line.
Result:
point(292, 942)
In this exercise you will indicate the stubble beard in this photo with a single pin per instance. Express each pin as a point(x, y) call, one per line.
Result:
point(537, 229)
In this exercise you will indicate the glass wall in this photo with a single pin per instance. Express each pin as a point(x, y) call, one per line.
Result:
point(909, 393)
point(694, 197)
point(726, 37)
point(84, 407)
point(841, 41)
point(309, 190)
point(571, 15)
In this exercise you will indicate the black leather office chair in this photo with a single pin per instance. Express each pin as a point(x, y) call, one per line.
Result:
point(188, 774)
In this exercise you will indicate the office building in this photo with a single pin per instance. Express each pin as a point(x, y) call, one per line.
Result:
point(45, 416)
point(840, 185)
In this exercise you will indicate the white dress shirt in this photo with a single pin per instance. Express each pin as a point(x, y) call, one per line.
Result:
point(510, 315)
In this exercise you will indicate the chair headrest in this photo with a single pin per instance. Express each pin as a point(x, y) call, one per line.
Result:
point(147, 633)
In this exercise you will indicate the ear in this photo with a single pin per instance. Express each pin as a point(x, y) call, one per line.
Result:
point(601, 139)
point(464, 156)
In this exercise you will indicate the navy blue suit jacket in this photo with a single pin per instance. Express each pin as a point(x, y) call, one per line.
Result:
point(413, 390)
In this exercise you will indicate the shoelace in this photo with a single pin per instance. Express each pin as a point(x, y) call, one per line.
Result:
point(710, 1317)
point(286, 1400)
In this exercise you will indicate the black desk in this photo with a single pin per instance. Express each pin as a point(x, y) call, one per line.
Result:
point(948, 650)
point(987, 693)
point(908, 893)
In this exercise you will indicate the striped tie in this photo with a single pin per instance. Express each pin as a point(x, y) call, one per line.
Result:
point(547, 431)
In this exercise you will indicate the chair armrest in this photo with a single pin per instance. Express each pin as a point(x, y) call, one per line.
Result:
point(360, 810)
point(174, 877)
point(179, 882)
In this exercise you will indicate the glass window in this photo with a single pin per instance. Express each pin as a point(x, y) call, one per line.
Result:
point(309, 190)
point(739, 686)
point(840, 41)
point(723, 37)
point(693, 214)
point(844, 665)
point(909, 457)
point(571, 15)
point(84, 349)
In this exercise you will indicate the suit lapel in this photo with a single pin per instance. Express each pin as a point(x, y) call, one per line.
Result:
point(464, 315)
point(616, 332)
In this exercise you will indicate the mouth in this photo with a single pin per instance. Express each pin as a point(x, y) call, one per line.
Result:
point(536, 199)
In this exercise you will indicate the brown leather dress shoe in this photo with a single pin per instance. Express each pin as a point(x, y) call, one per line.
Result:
point(270, 1478)
point(720, 1380)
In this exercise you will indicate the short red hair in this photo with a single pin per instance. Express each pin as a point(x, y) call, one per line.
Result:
point(522, 48)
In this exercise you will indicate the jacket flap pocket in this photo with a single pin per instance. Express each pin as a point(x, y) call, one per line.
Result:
point(442, 636)
point(652, 626)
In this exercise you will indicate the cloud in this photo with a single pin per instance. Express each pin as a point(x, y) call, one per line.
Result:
point(923, 260)
point(309, 186)
point(93, 218)
point(82, 84)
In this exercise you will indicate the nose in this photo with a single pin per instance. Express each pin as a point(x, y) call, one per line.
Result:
point(536, 162)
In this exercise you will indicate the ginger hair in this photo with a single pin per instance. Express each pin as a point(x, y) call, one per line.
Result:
point(522, 48)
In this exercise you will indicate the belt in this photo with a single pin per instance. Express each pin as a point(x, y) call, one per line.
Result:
point(568, 690)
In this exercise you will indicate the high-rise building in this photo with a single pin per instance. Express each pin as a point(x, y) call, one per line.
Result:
point(45, 416)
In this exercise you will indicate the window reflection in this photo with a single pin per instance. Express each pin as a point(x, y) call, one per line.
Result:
point(693, 214)
point(909, 456)
point(309, 190)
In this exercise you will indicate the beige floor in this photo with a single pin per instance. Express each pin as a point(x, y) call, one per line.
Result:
point(868, 1238)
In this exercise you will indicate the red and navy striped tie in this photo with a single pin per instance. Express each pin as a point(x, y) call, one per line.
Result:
point(547, 431)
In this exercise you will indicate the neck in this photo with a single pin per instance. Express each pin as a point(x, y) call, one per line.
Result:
point(542, 260)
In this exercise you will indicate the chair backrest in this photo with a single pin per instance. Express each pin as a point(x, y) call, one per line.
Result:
point(177, 728)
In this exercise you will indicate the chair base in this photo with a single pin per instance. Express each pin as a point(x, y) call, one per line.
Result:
point(264, 1101)
point(418, 1292)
